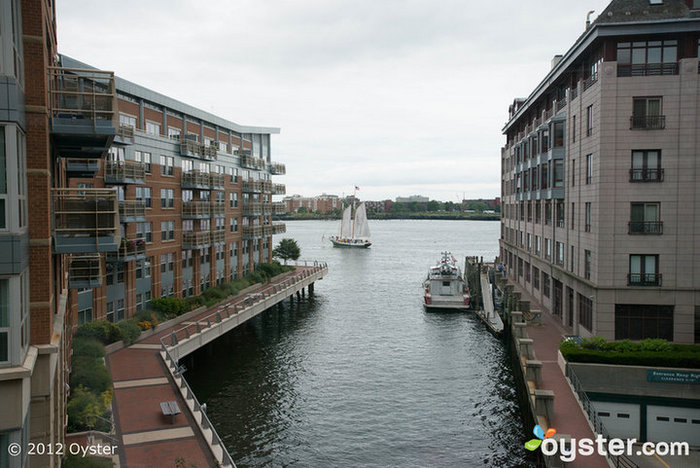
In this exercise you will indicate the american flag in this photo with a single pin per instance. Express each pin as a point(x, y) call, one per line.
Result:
point(357, 188)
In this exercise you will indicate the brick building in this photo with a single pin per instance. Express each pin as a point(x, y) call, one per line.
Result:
point(323, 203)
point(600, 218)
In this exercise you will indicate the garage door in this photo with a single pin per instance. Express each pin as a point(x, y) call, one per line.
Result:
point(620, 419)
point(671, 424)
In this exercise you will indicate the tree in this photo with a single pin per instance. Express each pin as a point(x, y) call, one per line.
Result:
point(288, 249)
point(433, 205)
point(302, 210)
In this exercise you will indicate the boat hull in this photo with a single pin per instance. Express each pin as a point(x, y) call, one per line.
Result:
point(445, 305)
point(359, 244)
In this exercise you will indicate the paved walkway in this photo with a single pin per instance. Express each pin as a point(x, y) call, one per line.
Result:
point(141, 381)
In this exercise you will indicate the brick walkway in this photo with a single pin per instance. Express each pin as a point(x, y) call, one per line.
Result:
point(141, 381)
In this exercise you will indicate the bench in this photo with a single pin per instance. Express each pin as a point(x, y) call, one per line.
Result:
point(170, 408)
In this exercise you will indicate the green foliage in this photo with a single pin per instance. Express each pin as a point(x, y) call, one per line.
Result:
point(302, 210)
point(84, 346)
point(129, 330)
point(170, 307)
point(194, 302)
point(89, 372)
point(288, 249)
point(101, 330)
point(78, 461)
point(650, 352)
point(434, 205)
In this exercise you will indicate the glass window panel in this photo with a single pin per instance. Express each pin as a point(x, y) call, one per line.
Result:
point(638, 56)
point(654, 107)
point(637, 213)
point(651, 212)
point(3, 163)
point(624, 56)
point(639, 107)
point(650, 264)
point(653, 159)
point(3, 347)
point(635, 264)
point(670, 54)
point(654, 55)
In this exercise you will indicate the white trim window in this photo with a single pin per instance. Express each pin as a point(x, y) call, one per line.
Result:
point(152, 128)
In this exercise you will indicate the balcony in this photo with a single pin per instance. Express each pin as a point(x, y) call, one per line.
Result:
point(267, 208)
point(252, 232)
point(277, 168)
point(266, 186)
point(646, 227)
point(85, 220)
point(218, 209)
point(125, 135)
point(132, 211)
point(251, 185)
point(85, 272)
point(252, 209)
point(561, 103)
point(279, 208)
point(251, 162)
point(130, 250)
point(218, 236)
point(196, 240)
point(279, 189)
point(590, 81)
point(647, 122)
point(647, 69)
point(196, 209)
point(279, 228)
point(644, 279)
point(646, 175)
point(193, 148)
point(82, 167)
point(217, 181)
point(82, 109)
point(195, 180)
point(125, 172)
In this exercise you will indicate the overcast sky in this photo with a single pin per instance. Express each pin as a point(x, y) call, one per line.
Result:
point(398, 97)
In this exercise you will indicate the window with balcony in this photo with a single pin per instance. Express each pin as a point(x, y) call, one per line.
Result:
point(644, 58)
point(187, 165)
point(644, 271)
point(646, 166)
point(174, 133)
point(144, 158)
point(644, 218)
point(589, 120)
point(558, 134)
point(587, 227)
point(589, 168)
point(127, 120)
point(647, 113)
point(558, 173)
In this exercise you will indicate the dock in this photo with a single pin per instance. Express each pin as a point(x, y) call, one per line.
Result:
point(488, 314)
point(477, 275)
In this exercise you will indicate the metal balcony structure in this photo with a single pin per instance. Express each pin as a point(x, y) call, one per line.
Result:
point(252, 232)
point(266, 186)
point(218, 210)
point(647, 175)
point(277, 168)
point(125, 172)
point(644, 279)
point(193, 148)
point(130, 250)
point(125, 135)
point(218, 236)
point(82, 167)
point(646, 227)
point(279, 189)
point(85, 272)
point(197, 209)
point(267, 208)
point(252, 209)
point(279, 208)
point(251, 162)
point(196, 240)
point(132, 211)
point(647, 122)
point(251, 185)
point(85, 220)
point(82, 110)
point(217, 181)
point(195, 180)
point(279, 228)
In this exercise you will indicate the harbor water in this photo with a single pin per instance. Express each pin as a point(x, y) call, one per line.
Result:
point(359, 374)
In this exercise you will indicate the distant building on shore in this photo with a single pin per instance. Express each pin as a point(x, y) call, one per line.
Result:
point(491, 203)
point(412, 198)
point(322, 203)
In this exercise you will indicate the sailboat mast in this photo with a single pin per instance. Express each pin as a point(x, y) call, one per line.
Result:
point(353, 209)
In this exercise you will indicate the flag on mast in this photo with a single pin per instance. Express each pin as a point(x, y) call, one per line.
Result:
point(357, 188)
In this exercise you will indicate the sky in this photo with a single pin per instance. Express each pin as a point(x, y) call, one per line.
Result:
point(397, 97)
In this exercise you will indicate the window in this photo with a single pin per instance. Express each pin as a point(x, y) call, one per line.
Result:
point(538, 245)
point(573, 215)
point(560, 253)
point(174, 133)
point(120, 273)
point(644, 219)
point(547, 248)
point(573, 129)
point(587, 265)
point(187, 165)
point(120, 310)
point(166, 198)
point(234, 225)
point(4, 319)
point(166, 165)
point(127, 120)
point(544, 176)
point(220, 224)
point(152, 128)
point(588, 217)
point(167, 230)
point(646, 166)
point(561, 220)
point(573, 172)
point(538, 212)
point(144, 194)
point(572, 262)
point(640, 321)
point(644, 58)
point(589, 168)
point(585, 312)
point(589, 120)
point(558, 173)
point(644, 271)
point(204, 255)
point(167, 262)
point(545, 284)
point(110, 311)
point(535, 277)
point(186, 258)
point(3, 181)
point(145, 158)
point(558, 134)
point(647, 113)
point(144, 231)
point(223, 147)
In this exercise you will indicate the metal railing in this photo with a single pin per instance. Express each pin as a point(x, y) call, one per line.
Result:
point(217, 180)
point(76, 94)
point(647, 69)
point(646, 227)
point(647, 122)
point(85, 271)
point(590, 81)
point(218, 236)
point(218, 209)
point(251, 232)
point(279, 228)
point(644, 279)
point(279, 189)
point(196, 209)
point(132, 209)
point(252, 208)
point(196, 239)
point(85, 212)
point(646, 175)
point(195, 179)
point(251, 162)
point(277, 168)
point(561, 103)
point(279, 208)
point(251, 185)
point(125, 171)
point(266, 185)
point(129, 250)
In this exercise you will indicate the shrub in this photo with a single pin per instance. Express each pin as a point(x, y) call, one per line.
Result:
point(170, 307)
point(193, 302)
point(654, 344)
point(78, 461)
point(129, 330)
point(649, 352)
point(83, 346)
point(101, 330)
point(593, 342)
point(145, 325)
point(82, 403)
point(89, 372)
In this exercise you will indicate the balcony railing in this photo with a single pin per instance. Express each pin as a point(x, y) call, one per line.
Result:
point(279, 189)
point(85, 272)
point(125, 134)
point(195, 179)
point(82, 108)
point(644, 279)
point(251, 162)
point(646, 175)
point(279, 228)
point(85, 220)
point(277, 168)
point(266, 186)
point(252, 209)
point(561, 103)
point(647, 69)
point(646, 227)
point(590, 81)
point(647, 122)
point(267, 208)
point(193, 148)
point(218, 209)
point(217, 180)
point(130, 250)
point(125, 172)
point(252, 232)
point(218, 236)
point(131, 211)
point(196, 239)
point(196, 209)
point(251, 185)
point(279, 208)
point(82, 167)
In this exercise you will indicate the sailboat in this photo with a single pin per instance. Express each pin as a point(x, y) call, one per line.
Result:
point(353, 232)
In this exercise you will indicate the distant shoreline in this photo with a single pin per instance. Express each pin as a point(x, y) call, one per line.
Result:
point(376, 216)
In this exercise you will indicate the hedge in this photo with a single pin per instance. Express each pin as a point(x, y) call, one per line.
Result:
point(649, 352)
point(90, 383)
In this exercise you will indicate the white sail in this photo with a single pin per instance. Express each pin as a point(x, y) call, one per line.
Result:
point(346, 223)
point(361, 224)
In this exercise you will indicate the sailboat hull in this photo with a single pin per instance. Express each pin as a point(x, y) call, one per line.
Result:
point(350, 243)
